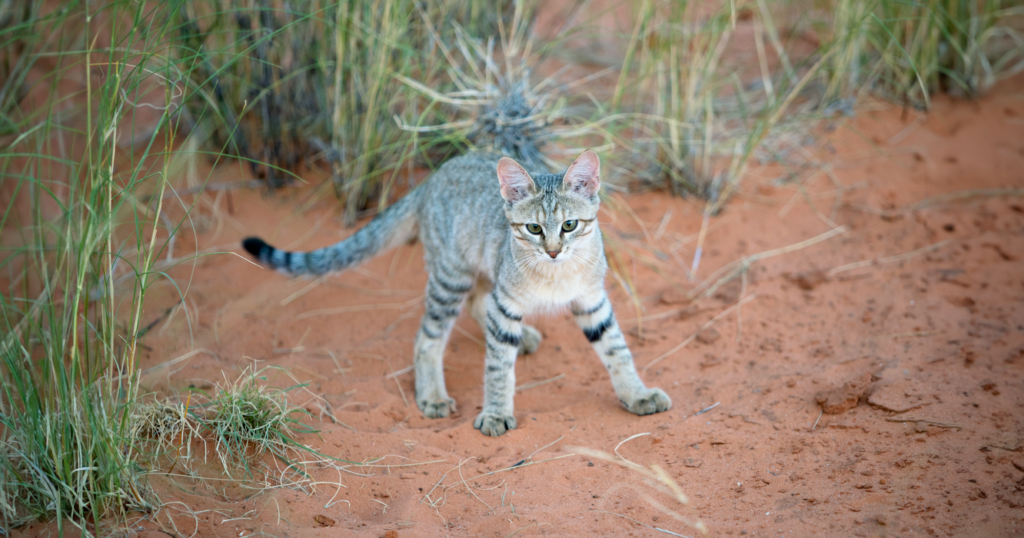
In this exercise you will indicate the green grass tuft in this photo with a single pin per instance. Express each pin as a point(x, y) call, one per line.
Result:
point(908, 51)
point(247, 420)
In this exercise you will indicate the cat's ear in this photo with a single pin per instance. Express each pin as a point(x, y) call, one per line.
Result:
point(516, 183)
point(584, 175)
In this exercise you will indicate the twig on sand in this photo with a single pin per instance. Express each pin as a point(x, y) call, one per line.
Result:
point(330, 502)
point(470, 488)
point(616, 451)
point(541, 449)
point(329, 410)
point(656, 477)
point(403, 371)
point(534, 384)
point(888, 259)
point(693, 336)
point(739, 313)
point(663, 225)
point(517, 466)
point(381, 502)
point(465, 333)
point(168, 364)
point(639, 523)
point(397, 465)
point(708, 408)
point(734, 269)
point(817, 419)
point(700, 246)
point(639, 223)
point(400, 389)
point(923, 421)
point(306, 289)
point(359, 308)
point(427, 496)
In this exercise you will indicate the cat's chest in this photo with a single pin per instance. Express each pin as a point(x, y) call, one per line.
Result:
point(555, 292)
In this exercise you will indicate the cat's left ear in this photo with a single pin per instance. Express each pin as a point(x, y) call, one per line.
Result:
point(584, 175)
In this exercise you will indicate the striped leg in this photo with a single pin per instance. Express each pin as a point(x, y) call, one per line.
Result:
point(445, 295)
point(478, 309)
point(594, 315)
point(504, 332)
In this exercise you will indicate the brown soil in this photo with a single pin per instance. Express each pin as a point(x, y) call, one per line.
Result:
point(878, 399)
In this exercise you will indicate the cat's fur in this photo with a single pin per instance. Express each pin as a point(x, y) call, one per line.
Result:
point(478, 248)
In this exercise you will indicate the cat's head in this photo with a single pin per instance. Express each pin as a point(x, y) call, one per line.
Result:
point(553, 215)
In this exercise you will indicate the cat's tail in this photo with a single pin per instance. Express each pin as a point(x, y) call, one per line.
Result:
point(396, 225)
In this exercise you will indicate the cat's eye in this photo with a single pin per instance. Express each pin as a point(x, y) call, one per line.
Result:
point(535, 229)
point(570, 225)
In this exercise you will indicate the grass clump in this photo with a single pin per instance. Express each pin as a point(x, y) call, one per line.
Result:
point(702, 113)
point(79, 252)
point(908, 51)
point(247, 420)
point(279, 87)
point(700, 110)
point(492, 104)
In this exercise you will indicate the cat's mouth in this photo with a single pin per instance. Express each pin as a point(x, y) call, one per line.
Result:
point(558, 260)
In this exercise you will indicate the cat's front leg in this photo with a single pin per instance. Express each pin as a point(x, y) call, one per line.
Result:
point(503, 334)
point(594, 315)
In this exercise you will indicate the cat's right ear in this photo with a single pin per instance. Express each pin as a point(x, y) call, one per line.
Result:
point(516, 183)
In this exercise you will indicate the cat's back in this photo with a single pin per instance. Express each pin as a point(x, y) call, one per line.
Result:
point(461, 211)
point(472, 175)
point(464, 187)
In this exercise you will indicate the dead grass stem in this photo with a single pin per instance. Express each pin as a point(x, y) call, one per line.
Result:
point(693, 336)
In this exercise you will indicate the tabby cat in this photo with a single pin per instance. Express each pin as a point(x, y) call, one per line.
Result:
point(532, 245)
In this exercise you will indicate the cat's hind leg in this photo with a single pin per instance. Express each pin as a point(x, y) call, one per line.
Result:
point(446, 291)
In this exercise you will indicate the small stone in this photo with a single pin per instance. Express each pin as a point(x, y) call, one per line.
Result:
point(708, 336)
point(807, 280)
point(843, 398)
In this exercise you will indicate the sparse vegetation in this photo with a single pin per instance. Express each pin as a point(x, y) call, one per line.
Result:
point(243, 419)
point(79, 255)
point(97, 99)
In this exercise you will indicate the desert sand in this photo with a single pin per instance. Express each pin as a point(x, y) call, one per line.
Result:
point(862, 379)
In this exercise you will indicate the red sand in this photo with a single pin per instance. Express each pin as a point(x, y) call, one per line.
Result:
point(919, 360)
point(924, 356)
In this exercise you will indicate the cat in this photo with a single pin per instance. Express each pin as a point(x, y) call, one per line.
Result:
point(525, 244)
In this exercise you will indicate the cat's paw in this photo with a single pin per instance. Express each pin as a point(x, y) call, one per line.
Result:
point(494, 424)
point(436, 407)
point(530, 340)
point(648, 401)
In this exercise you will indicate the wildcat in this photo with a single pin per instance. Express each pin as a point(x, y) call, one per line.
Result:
point(530, 243)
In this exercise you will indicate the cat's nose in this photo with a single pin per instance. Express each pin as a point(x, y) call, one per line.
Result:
point(554, 253)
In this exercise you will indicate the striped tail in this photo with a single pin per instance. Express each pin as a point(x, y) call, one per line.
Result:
point(396, 225)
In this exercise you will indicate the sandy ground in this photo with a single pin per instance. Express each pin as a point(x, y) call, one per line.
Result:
point(876, 399)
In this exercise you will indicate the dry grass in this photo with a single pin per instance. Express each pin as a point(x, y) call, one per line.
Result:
point(655, 477)
point(364, 91)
